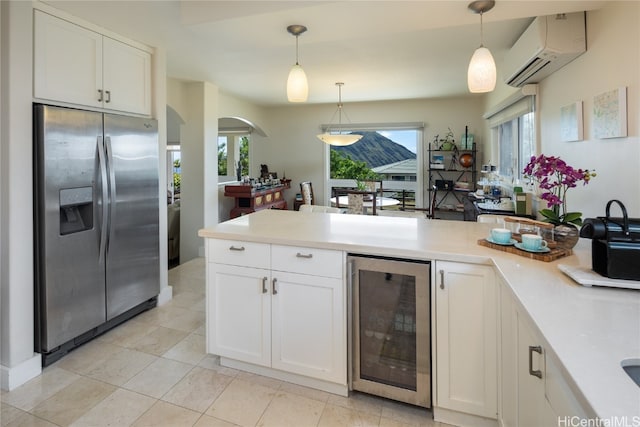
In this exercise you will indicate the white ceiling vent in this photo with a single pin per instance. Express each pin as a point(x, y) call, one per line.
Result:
point(547, 45)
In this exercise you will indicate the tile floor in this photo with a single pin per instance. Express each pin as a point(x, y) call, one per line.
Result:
point(153, 371)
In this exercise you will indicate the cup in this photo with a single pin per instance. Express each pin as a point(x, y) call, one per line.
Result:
point(533, 242)
point(501, 235)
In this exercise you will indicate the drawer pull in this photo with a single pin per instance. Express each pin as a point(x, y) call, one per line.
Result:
point(307, 256)
point(274, 291)
point(108, 97)
point(236, 248)
point(264, 285)
point(538, 350)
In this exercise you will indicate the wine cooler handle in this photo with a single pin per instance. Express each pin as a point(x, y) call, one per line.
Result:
point(264, 285)
point(538, 350)
point(441, 279)
point(274, 291)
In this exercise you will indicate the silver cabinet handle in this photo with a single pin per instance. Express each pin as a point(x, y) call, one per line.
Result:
point(264, 285)
point(441, 279)
point(236, 248)
point(307, 256)
point(274, 291)
point(99, 95)
point(108, 93)
point(538, 350)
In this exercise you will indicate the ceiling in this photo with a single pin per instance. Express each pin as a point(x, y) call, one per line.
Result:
point(381, 50)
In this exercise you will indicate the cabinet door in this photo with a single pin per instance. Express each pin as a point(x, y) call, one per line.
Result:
point(127, 77)
point(239, 313)
point(67, 61)
point(508, 412)
point(309, 326)
point(533, 408)
point(466, 338)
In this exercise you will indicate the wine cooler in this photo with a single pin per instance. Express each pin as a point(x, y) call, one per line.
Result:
point(391, 328)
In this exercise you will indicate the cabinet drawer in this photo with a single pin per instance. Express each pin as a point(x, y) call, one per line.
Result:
point(237, 252)
point(315, 262)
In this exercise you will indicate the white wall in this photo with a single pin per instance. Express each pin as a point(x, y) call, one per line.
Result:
point(612, 60)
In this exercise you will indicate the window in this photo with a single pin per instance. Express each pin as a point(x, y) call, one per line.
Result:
point(513, 131)
point(388, 153)
point(233, 152)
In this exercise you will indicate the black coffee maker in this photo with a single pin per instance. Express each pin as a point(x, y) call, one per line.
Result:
point(615, 247)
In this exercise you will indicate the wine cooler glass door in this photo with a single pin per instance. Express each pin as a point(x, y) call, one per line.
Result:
point(391, 322)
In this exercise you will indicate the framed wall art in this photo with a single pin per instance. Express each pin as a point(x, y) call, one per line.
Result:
point(571, 128)
point(610, 114)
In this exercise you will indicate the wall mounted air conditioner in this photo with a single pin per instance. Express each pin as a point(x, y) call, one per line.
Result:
point(548, 44)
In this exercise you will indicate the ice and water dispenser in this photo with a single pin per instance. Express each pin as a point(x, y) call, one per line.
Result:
point(76, 209)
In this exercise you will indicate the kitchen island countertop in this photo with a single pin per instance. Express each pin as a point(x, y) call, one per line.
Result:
point(590, 329)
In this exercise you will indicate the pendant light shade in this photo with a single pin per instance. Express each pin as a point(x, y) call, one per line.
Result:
point(297, 86)
point(481, 74)
point(338, 139)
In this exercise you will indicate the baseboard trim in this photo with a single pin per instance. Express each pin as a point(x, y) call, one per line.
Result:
point(11, 378)
point(165, 295)
point(455, 418)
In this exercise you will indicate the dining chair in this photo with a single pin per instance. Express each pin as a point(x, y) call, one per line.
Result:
point(306, 189)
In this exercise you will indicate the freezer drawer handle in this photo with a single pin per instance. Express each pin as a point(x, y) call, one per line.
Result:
point(274, 291)
point(236, 248)
point(99, 95)
point(264, 285)
point(538, 350)
point(306, 256)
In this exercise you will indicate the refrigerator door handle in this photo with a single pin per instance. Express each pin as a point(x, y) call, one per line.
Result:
point(112, 185)
point(105, 199)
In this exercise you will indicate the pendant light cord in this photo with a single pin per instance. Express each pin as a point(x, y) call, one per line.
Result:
point(481, 31)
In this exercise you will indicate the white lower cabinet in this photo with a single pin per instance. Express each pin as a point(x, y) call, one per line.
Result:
point(533, 390)
point(288, 321)
point(466, 339)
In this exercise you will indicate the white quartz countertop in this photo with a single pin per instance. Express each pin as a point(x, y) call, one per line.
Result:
point(590, 329)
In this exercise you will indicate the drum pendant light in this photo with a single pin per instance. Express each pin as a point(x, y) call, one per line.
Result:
point(481, 75)
point(338, 138)
point(297, 86)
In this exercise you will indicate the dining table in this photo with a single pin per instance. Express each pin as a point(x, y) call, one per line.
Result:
point(343, 201)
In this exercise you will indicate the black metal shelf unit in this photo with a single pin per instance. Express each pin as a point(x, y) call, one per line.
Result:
point(444, 172)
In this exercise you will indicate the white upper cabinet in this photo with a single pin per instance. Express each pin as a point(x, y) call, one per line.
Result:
point(78, 66)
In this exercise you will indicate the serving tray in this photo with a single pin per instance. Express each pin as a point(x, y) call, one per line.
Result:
point(552, 255)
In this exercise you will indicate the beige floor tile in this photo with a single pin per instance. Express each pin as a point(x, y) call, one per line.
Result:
point(159, 341)
point(188, 321)
point(360, 402)
point(158, 378)
point(242, 403)
point(9, 413)
point(28, 420)
point(199, 306)
point(73, 401)
point(198, 389)
point(187, 299)
point(121, 366)
point(39, 389)
point(187, 284)
point(157, 316)
point(311, 393)
point(259, 379)
point(166, 414)
point(334, 415)
point(212, 362)
point(189, 350)
point(407, 414)
point(121, 408)
point(84, 358)
point(289, 410)
point(202, 330)
point(207, 421)
point(128, 334)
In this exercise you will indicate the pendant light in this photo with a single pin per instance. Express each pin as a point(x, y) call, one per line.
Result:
point(339, 138)
point(481, 75)
point(297, 86)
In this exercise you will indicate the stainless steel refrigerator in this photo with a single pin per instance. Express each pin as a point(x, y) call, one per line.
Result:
point(96, 224)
